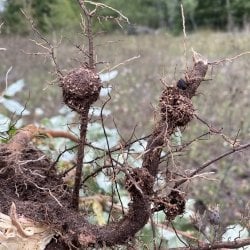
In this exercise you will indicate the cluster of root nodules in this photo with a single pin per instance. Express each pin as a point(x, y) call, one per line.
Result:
point(81, 88)
point(175, 107)
point(28, 180)
point(172, 205)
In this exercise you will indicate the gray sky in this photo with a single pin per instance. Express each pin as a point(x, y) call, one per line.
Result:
point(1, 4)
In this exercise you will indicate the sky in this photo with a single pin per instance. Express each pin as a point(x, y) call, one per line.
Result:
point(1, 5)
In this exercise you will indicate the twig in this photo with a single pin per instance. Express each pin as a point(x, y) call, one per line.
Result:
point(50, 48)
point(89, 32)
point(183, 22)
point(213, 130)
point(2, 49)
point(176, 233)
point(51, 194)
point(184, 234)
point(229, 59)
point(205, 165)
point(80, 156)
point(95, 172)
point(128, 143)
point(122, 63)
point(217, 245)
point(185, 145)
point(28, 161)
point(59, 156)
point(110, 157)
point(108, 7)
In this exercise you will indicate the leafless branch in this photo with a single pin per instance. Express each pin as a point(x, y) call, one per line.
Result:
point(230, 59)
point(205, 165)
point(217, 245)
point(49, 47)
point(88, 32)
point(102, 5)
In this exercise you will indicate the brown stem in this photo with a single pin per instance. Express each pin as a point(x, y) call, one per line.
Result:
point(217, 245)
point(139, 209)
point(151, 159)
point(91, 42)
point(80, 156)
point(164, 129)
point(205, 165)
point(120, 232)
point(89, 33)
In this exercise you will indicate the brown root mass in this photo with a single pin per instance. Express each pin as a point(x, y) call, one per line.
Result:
point(29, 179)
point(81, 88)
point(175, 107)
point(140, 180)
point(172, 205)
point(37, 190)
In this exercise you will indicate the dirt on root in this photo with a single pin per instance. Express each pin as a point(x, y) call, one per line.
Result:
point(29, 179)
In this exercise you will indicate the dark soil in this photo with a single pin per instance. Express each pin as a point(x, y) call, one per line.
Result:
point(28, 180)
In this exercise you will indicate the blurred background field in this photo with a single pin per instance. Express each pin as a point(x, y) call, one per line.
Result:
point(223, 100)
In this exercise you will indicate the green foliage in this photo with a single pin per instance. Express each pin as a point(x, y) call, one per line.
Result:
point(241, 12)
point(211, 14)
point(42, 11)
point(198, 13)
point(139, 12)
point(13, 18)
point(64, 14)
point(48, 15)
point(222, 13)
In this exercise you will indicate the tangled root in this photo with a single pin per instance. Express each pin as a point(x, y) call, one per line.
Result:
point(176, 205)
point(140, 180)
point(176, 107)
point(81, 88)
point(172, 205)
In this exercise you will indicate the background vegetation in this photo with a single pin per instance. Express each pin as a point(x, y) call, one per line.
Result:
point(63, 14)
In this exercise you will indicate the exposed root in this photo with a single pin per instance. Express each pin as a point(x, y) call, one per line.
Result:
point(39, 193)
point(175, 107)
point(176, 110)
point(81, 88)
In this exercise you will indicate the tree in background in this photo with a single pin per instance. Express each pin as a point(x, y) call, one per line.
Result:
point(56, 14)
point(47, 15)
point(241, 12)
point(13, 18)
point(211, 14)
